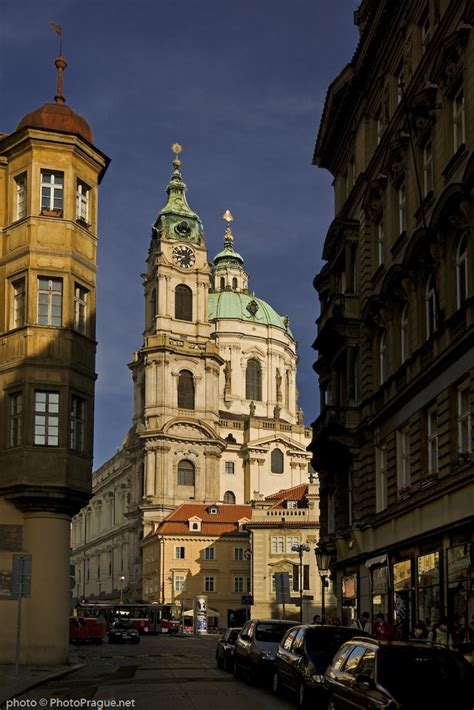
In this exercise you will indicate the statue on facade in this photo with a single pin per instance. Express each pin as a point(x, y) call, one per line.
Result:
point(276, 412)
point(228, 375)
point(252, 409)
point(278, 379)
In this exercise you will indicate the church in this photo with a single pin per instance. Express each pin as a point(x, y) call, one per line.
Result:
point(216, 417)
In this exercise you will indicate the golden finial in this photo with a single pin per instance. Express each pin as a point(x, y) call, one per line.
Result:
point(177, 149)
point(229, 237)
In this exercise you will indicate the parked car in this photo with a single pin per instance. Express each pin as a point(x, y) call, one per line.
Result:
point(303, 656)
point(256, 647)
point(123, 632)
point(225, 649)
point(85, 630)
point(398, 675)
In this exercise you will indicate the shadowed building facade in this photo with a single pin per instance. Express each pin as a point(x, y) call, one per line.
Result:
point(49, 176)
point(393, 442)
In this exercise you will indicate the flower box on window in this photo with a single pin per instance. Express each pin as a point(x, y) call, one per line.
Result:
point(51, 213)
point(82, 222)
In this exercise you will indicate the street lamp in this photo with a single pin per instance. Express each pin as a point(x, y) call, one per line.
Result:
point(300, 549)
point(323, 560)
point(122, 580)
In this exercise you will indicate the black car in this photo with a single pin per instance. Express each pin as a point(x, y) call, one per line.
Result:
point(225, 649)
point(256, 647)
point(303, 656)
point(398, 675)
point(123, 632)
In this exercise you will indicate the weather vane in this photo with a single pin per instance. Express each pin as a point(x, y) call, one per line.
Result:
point(176, 148)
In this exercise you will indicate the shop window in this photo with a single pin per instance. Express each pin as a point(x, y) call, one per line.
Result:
point(428, 588)
point(402, 607)
point(379, 590)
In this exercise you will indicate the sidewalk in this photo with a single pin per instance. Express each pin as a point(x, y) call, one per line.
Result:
point(12, 685)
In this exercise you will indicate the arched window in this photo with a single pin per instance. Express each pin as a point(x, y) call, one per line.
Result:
point(186, 390)
point(234, 284)
point(186, 473)
point(183, 303)
point(229, 497)
point(404, 333)
point(461, 271)
point(430, 307)
point(382, 359)
point(253, 381)
point(276, 461)
point(222, 283)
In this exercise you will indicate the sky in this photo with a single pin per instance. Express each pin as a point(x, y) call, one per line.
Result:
point(241, 86)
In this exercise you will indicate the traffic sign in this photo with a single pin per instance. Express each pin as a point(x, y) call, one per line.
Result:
point(21, 576)
point(247, 600)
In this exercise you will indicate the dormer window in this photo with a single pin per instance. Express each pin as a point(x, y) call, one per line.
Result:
point(213, 510)
point(194, 524)
point(291, 504)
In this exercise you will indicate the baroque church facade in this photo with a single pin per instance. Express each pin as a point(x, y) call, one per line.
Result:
point(216, 416)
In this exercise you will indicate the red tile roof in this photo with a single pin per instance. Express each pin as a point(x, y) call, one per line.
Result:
point(224, 522)
point(296, 493)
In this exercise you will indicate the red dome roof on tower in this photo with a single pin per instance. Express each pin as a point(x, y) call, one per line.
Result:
point(57, 116)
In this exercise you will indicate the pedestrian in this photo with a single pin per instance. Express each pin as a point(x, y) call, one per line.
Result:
point(420, 632)
point(381, 629)
point(363, 623)
point(317, 619)
point(440, 633)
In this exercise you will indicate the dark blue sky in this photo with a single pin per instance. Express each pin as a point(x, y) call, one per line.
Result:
point(241, 86)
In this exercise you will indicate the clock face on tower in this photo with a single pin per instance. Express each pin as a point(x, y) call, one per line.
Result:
point(184, 257)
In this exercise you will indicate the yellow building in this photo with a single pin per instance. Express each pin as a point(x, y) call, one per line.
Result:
point(49, 176)
point(200, 550)
point(281, 522)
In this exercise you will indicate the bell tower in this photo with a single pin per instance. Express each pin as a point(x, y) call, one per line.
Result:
point(176, 372)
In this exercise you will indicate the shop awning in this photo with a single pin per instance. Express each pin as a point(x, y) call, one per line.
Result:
point(380, 560)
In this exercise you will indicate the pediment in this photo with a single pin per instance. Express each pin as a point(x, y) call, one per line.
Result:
point(189, 430)
point(284, 565)
point(277, 439)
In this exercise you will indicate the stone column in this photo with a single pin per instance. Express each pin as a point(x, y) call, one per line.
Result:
point(45, 632)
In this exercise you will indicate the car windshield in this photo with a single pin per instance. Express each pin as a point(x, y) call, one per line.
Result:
point(427, 673)
point(323, 643)
point(122, 625)
point(272, 633)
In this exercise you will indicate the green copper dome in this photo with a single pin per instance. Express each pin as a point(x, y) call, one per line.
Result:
point(245, 307)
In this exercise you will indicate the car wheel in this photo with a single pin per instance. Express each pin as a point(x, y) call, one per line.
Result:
point(276, 684)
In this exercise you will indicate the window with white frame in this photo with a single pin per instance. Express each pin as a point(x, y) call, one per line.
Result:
point(277, 545)
point(77, 423)
point(381, 477)
point(459, 128)
point(430, 307)
point(50, 301)
point(461, 271)
point(229, 467)
point(432, 427)
point(19, 303)
point(238, 584)
point(380, 243)
point(291, 541)
point(210, 553)
point(238, 553)
point(403, 458)
point(229, 497)
point(179, 553)
point(179, 580)
point(46, 418)
point(464, 420)
point(402, 208)
point(16, 418)
point(52, 191)
point(209, 584)
point(427, 168)
point(21, 186)
point(80, 308)
point(82, 201)
point(404, 333)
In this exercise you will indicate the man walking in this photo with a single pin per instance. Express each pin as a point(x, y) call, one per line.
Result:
point(363, 623)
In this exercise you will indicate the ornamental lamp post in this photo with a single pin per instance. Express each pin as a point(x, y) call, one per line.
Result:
point(300, 549)
point(323, 560)
point(122, 580)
